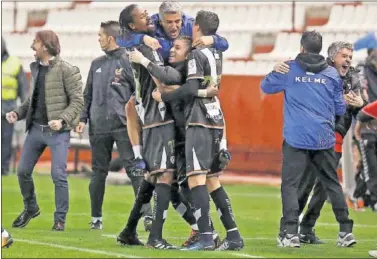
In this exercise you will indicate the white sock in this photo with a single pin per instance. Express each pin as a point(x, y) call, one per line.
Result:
point(195, 227)
point(4, 234)
point(137, 151)
point(95, 219)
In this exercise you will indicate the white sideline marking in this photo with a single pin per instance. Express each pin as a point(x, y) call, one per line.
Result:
point(246, 255)
point(250, 238)
point(87, 250)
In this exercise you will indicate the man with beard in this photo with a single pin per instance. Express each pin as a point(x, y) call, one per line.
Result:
point(339, 57)
point(171, 22)
point(158, 133)
point(168, 76)
point(313, 93)
point(205, 138)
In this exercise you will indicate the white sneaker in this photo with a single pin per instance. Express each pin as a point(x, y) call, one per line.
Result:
point(347, 240)
point(373, 253)
point(288, 240)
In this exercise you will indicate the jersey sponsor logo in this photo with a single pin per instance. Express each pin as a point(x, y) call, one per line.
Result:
point(213, 111)
point(192, 67)
point(306, 79)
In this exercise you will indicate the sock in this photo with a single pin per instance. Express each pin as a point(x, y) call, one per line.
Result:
point(95, 219)
point(143, 196)
point(200, 201)
point(137, 151)
point(182, 206)
point(160, 210)
point(224, 208)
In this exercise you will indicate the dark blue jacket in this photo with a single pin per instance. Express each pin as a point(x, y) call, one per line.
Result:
point(166, 43)
point(313, 96)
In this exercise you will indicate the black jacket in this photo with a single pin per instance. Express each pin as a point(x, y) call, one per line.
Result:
point(352, 81)
point(105, 98)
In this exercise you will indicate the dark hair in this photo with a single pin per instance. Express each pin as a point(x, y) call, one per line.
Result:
point(311, 41)
point(126, 17)
point(50, 40)
point(208, 22)
point(111, 28)
point(187, 40)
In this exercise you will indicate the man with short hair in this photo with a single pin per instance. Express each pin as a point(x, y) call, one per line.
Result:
point(339, 57)
point(313, 97)
point(51, 111)
point(13, 86)
point(105, 110)
point(166, 78)
point(158, 131)
point(205, 138)
point(169, 23)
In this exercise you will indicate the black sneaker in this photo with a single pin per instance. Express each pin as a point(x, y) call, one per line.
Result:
point(193, 237)
point(23, 219)
point(58, 226)
point(97, 225)
point(125, 239)
point(159, 244)
point(217, 240)
point(148, 223)
point(233, 245)
point(310, 238)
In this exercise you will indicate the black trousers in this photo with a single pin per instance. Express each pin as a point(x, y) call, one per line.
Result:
point(368, 150)
point(295, 163)
point(102, 146)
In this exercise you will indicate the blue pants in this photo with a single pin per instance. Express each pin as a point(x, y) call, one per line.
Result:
point(6, 145)
point(35, 143)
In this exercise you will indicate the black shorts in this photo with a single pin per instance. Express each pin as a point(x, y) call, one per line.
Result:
point(159, 148)
point(202, 146)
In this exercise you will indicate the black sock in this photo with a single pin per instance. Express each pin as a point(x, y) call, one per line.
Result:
point(200, 201)
point(224, 208)
point(143, 196)
point(161, 205)
point(182, 206)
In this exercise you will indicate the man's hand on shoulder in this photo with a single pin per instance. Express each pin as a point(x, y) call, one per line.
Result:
point(151, 42)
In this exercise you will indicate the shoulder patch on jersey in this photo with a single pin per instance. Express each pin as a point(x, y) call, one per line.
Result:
point(192, 67)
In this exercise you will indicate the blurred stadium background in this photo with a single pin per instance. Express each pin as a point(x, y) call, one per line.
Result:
point(259, 35)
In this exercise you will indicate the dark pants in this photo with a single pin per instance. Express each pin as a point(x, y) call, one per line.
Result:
point(368, 150)
point(295, 163)
point(102, 146)
point(318, 199)
point(6, 144)
point(35, 143)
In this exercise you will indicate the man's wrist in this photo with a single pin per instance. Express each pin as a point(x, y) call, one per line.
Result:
point(145, 62)
point(63, 122)
point(202, 93)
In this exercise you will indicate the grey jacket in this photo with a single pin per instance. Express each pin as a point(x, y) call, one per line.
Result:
point(104, 98)
point(64, 99)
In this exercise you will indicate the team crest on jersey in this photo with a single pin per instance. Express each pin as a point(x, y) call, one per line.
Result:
point(118, 71)
point(192, 67)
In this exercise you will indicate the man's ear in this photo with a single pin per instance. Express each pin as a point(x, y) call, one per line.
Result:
point(132, 26)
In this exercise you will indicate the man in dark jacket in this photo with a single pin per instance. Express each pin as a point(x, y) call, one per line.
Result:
point(51, 111)
point(313, 97)
point(13, 86)
point(105, 109)
point(339, 56)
